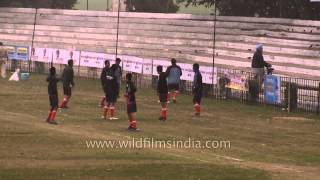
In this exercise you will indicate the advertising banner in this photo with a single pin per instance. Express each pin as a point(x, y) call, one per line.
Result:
point(163, 63)
point(237, 82)
point(20, 53)
point(187, 71)
point(132, 64)
point(207, 77)
point(272, 89)
point(41, 54)
point(92, 59)
point(147, 66)
point(62, 56)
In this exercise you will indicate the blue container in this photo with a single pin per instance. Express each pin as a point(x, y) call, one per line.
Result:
point(25, 76)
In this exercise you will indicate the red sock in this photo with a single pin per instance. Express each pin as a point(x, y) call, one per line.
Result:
point(102, 101)
point(105, 112)
point(197, 108)
point(174, 96)
point(112, 109)
point(64, 103)
point(53, 115)
point(164, 113)
point(49, 115)
point(67, 100)
point(133, 123)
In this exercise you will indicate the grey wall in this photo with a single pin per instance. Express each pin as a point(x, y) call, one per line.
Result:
point(292, 46)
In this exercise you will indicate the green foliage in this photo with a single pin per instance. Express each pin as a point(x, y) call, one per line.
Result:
point(297, 9)
point(55, 4)
point(154, 6)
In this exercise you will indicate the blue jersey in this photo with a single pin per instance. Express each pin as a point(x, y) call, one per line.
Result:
point(173, 73)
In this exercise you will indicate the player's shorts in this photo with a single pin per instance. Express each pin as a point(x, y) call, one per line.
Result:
point(111, 97)
point(132, 108)
point(67, 90)
point(53, 101)
point(197, 98)
point(175, 87)
point(163, 97)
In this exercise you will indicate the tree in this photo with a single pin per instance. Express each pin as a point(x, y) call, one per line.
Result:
point(54, 4)
point(154, 6)
point(296, 9)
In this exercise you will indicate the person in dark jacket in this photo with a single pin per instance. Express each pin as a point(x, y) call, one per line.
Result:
point(258, 63)
point(109, 84)
point(131, 102)
point(68, 84)
point(118, 74)
point(173, 73)
point(162, 89)
point(197, 89)
point(103, 74)
point(53, 96)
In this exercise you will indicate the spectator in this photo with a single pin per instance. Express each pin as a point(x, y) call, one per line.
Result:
point(3, 60)
point(258, 64)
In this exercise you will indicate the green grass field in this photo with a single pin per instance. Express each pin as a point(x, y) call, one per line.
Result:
point(265, 143)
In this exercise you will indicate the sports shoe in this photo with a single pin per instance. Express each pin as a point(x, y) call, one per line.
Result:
point(103, 117)
point(162, 118)
point(52, 122)
point(113, 118)
point(196, 114)
point(132, 129)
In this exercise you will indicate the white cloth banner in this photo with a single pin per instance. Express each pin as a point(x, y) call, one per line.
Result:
point(112, 59)
point(132, 64)
point(136, 65)
point(163, 63)
point(129, 63)
point(187, 71)
point(147, 66)
point(62, 56)
point(92, 59)
point(41, 54)
point(207, 77)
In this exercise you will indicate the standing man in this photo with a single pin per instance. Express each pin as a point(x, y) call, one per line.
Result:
point(197, 89)
point(258, 64)
point(3, 60)
point(53, 96)
point(173, 73)
point(104, 102)
point(109, 84)
point(118, 74)
point(162, 88)
point(68, 84)
point(131, 102)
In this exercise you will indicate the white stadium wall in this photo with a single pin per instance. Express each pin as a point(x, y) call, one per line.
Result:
point(292, 46)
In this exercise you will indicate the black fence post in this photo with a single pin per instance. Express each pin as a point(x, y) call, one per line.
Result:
point(318, 107)
point(289, 96)
point(33, 34)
